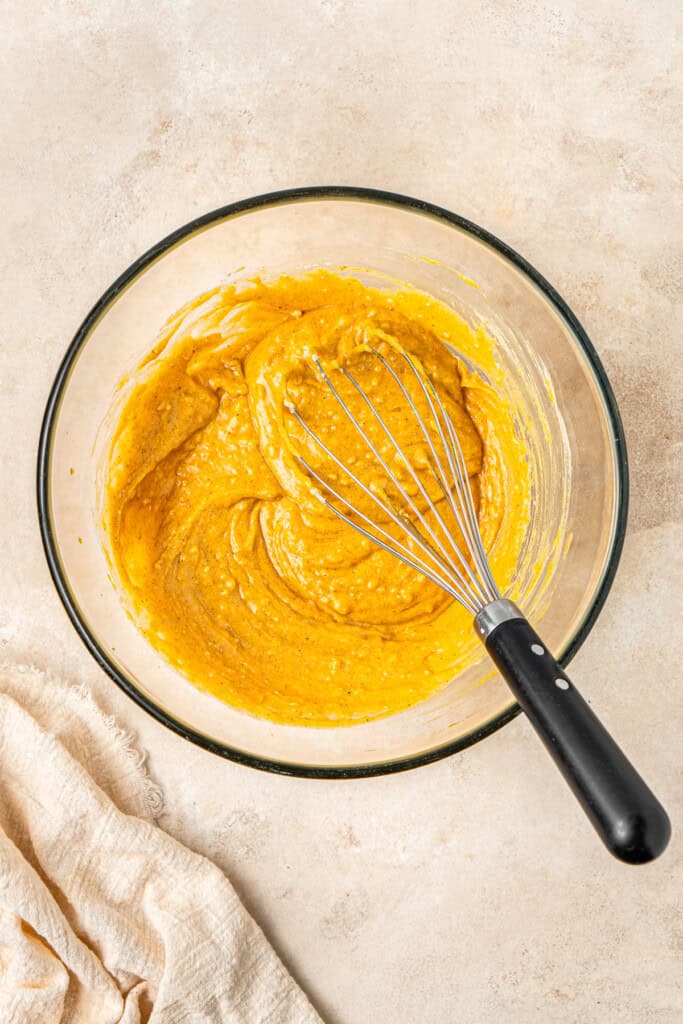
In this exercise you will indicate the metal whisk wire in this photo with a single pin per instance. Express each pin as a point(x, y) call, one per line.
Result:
point(447, 566)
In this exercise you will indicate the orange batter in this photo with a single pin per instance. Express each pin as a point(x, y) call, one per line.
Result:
point(229, 563)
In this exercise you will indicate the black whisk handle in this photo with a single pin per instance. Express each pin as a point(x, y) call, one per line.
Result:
point(623, 810)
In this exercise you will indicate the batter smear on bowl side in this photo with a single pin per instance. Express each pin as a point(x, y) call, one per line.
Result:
point(226, 559)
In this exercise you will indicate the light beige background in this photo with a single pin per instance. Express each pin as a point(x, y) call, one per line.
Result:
point(471, 890)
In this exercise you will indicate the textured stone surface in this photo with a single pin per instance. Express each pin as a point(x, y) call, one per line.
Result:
point(472, 889)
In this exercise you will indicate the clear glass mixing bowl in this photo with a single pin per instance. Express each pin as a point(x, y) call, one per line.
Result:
point(563, 406)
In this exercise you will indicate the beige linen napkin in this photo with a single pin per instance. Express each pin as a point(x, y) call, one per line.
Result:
point(104, 918)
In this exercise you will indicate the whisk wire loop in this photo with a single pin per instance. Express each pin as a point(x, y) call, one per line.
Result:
point(467, 522)
point(449, 583)
point(373, 448)
point(441, 559)
point(438, 469)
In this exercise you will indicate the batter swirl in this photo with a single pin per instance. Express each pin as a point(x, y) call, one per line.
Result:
point(229, 564)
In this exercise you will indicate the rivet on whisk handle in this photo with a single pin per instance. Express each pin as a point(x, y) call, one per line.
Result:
point(625, 813)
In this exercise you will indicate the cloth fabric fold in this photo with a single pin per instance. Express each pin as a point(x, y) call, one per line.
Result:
point(104, 918)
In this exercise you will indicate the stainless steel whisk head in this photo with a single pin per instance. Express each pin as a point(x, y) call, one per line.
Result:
point(465, 575)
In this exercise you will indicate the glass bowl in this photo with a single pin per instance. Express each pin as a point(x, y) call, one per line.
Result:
point(562, 403)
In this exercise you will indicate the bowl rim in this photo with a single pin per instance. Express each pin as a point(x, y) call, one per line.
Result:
point(277, 198)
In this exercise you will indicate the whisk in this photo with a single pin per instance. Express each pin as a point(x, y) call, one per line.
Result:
point(628, 817)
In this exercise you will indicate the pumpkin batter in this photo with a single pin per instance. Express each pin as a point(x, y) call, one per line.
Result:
point(230, 565)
